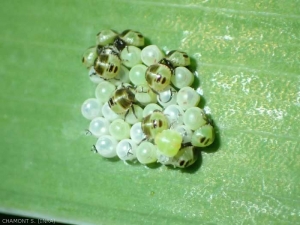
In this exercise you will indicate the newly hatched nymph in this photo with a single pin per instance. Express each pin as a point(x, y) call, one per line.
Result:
point(129, 37)
point(106, 37)
point(154, 123)
point(158, 76)
point(122, 100)
point(108, 64)
point(178, 58)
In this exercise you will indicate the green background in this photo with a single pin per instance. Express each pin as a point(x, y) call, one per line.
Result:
point(247, 57)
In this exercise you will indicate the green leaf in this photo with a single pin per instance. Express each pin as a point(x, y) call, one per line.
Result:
point(246, 55)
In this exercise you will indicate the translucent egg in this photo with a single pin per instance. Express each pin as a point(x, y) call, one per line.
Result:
point(144, 95)
point(122, 77)
point(150, 108)
point(131, 56)
point(126, 149)
point(185, 132)
point(94, 77)
point(151, 55)
point(137, 74)
point(136, 116)
point(203, 136)
point(187, 97)
point(99, 126)
point(136, 133)
point(163, 159)
point(91, 108)
point(182, 77)
point(174, 114)
point(146, 153)
point(89, 57)
point(104, 91)
point(119, 129)
point(106, 146)
point(167, 97)
point(194, 118)
point(168, 142)
point(109, 114)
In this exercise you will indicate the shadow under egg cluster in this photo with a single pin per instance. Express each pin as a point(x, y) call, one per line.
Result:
point(144, 108)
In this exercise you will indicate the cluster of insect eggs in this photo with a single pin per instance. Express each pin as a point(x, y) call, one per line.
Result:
point(125, 117)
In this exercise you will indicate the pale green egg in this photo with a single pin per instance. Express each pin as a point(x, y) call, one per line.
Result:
point(104, 91)
point(168, 142)
point(131, 56)
point(137, 74)
point(146, 153)
point(134, 115)
point(144, 95)
point(119, 129)
point(182, 77)
point(194, 118)
point(151, 54)
point(150, 108)
point(187, 97)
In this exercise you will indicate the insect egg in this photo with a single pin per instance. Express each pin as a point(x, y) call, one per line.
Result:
point(187, 97)
point(182, 77)
point(194, 118)
point(150, 108)
point(91, 108)
point(131, 56)
point(137, 74)
point(185, 132)
point(99, 126)
point(104, 91)
point(144, 95)
point(119, 129)
point(134, 115)
point(109, 114)
point(167, 97)
point(146, 153)
point(175, 115)
point(151, 55)
point(168, 142)
point(126, 149)
point(106, 146)
point(136, 133)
